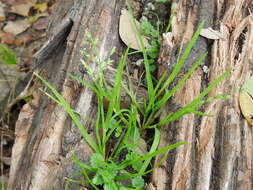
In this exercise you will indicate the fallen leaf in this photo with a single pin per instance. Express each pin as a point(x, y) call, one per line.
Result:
point(7, 38)
point(24, 40)
point(128, 32)
point(210, 33)
point(21, 9)
point(16, 27)
point(28, 38)
point(246, 100)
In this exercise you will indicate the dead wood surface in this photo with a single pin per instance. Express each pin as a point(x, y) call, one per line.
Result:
point(219, 151)
point(45, 137)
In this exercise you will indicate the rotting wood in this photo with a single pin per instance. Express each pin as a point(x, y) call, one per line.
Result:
point(219, 151)
point(45, 136)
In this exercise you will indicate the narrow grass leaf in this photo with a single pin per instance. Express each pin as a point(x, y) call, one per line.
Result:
point(170, 93)
point(160, 82)
point(146, 62)
point(81, 164)
point(115, 97)
point(209, 88)
point(71, 113)
point(151, 155)
point(152, 149)
point(181, 60)
point(170, 22)
point(97, 132)
point(192, 105)
point(84, 82)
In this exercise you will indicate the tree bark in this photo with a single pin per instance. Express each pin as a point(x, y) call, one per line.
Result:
point(219, 150)
point(45, 137)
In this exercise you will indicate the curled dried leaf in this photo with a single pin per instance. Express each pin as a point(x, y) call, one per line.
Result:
point(16, 27)
point(128, 31)
point(246, 100)
point(211, 34)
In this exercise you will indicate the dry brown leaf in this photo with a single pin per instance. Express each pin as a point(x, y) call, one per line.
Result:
point(21, 9)
point(7, 38)
point(246, 100)
point(24, 40)
point(210, 33)
point(246, 105)
point(16, 27)
point(128, 33)
point(28, 38)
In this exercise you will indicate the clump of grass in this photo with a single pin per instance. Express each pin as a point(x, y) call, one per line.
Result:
point(122, 124)
point(125, 162)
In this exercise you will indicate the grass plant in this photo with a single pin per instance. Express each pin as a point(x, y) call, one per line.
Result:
point(111, 170)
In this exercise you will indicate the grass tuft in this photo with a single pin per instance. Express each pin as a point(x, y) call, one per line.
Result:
point(128, 159)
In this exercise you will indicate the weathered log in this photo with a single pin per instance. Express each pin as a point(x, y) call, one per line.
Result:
point(219, 150)
point(45, 137)
point(218, 154)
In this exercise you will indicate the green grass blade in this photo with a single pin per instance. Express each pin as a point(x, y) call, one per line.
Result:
point(81, 164)
point(170, 93)
point(181, 60)
point(209, 88)
point(97, 125)
point(85, 83)
point(84, 169)
point(192, 106)
point(95, 88)
point(112, 129)
point(71, 113)
point(114, 101)
point(152, 149)
point(170, 21)
point(160, 82)
point(153, 154)
point(145, 56)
